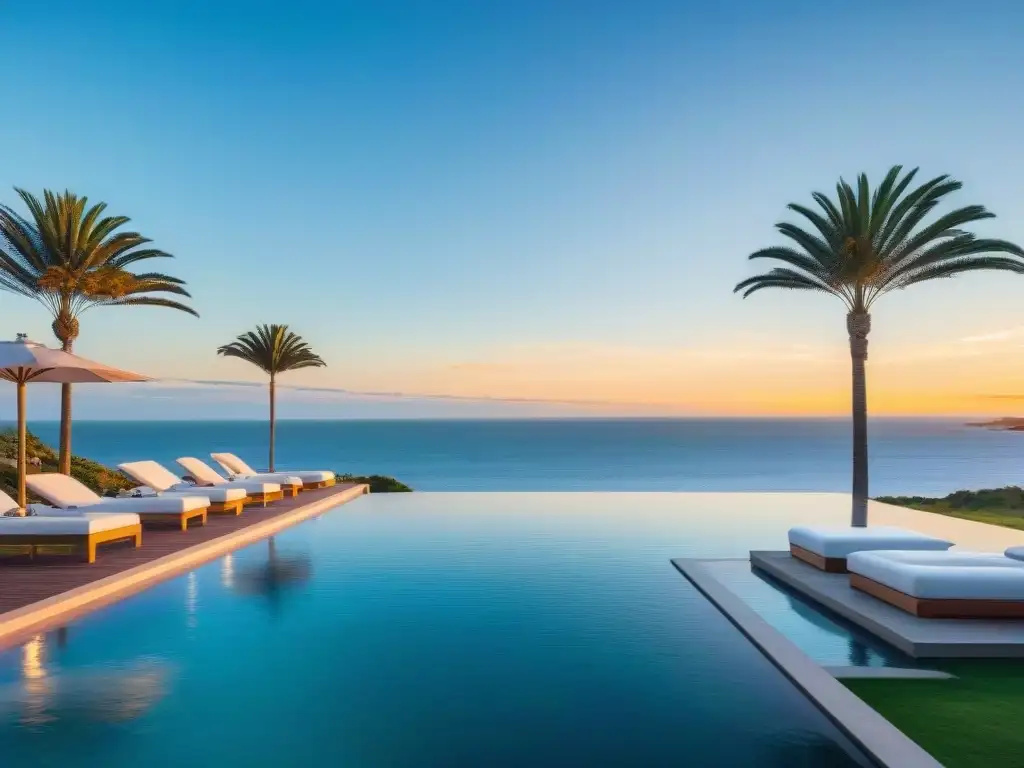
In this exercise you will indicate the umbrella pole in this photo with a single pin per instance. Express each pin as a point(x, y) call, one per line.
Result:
point(21, 444)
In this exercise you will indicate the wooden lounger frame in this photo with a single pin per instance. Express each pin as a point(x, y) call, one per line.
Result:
point(228, 507)
point(265, 498)
point(319, 484)
point(929, 608)
point(183, 518)
point(291, 489)
point(822, 563)
point(82, 544)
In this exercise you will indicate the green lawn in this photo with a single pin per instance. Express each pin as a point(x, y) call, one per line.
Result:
point(975, 721)
point(996, 506)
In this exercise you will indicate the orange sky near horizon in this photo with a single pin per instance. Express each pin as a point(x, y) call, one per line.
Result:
point(980, 375)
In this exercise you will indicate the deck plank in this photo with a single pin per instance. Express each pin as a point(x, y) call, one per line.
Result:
point(23, 582)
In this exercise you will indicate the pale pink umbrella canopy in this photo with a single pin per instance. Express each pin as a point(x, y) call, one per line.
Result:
point(25, 361)
point(28, 361)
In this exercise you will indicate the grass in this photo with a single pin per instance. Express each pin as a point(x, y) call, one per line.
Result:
point(971, 722)
point(996, 506)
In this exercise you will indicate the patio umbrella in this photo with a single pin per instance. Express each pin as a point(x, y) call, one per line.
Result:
point(23, 361)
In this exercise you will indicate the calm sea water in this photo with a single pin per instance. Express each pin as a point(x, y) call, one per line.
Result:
point(907, 456)
point(423, 630)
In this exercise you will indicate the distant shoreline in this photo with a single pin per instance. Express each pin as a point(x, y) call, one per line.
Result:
point(1004, 424)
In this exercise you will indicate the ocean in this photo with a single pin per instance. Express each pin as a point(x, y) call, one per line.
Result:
point(907, 456)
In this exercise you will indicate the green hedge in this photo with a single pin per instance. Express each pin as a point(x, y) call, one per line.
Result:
point(377, 483)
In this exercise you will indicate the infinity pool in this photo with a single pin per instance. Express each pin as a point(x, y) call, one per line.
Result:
point(434, 630)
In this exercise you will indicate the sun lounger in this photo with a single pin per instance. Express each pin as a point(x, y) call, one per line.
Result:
point(60, 532)
point(827, 547)
point(67, 493)
point(935, 585)
point(238, 469)
point(227, 500)
point(205, 475)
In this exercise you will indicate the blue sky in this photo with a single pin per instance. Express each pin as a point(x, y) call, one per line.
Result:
point(491, 203)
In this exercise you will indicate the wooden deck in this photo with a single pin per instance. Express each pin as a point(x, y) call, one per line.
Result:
point(23, 582)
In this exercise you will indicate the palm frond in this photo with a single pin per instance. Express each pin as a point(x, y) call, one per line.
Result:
point(273, 349)
point(780, 277)
point(870, 242)
point(961, 265)
point(149, 301)
point(72, 256)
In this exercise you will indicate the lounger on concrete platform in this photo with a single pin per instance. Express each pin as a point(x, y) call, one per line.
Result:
point(228, 500)
point(205, 475)
point(239, 470)
point(67, 493)
point(62, 532)
point(935, 585)
point(827, 547)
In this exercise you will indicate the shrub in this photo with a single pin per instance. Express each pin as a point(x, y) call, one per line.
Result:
point(377, 483)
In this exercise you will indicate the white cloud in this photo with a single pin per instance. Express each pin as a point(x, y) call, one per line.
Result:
point(1002, 335)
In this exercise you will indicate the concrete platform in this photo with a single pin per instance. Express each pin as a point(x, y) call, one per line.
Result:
point(920, 638)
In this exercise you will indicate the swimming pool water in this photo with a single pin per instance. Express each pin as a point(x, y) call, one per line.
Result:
point(825, 637)
point(434, 630)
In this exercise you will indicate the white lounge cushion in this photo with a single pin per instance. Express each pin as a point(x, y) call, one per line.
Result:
point(206, 475)
point(62, 490)
point(281, 478)
point(7, 504)
point(290, 477)
point(65, 524)
point(943, 575)
point(1016, 553)
point(240, 470)
point(152, 505)
point(253, 486)
point(67, 493)
point(154, 475)
point(840, 542)
point(218, 494)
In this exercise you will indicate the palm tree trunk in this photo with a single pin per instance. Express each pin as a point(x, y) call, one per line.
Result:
point(858, 325)
point(273, 417)
point(64, 461)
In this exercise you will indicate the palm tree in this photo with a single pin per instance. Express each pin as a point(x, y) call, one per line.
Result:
point(72, 258)
point(273, 349)
point(865, 244)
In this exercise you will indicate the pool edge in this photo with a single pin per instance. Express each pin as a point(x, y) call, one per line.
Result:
point(19, 623)
point(879, 739)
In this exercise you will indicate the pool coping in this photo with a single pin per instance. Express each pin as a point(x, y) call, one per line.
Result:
point(20, 623)
point(879, 739)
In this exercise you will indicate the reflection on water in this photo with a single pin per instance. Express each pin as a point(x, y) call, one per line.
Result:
point(825, 637)
point(273, 577)
point(227, 571)
point(37, 687)
point(191, 599)
point(110, 693)
point(859, 654)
